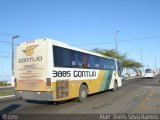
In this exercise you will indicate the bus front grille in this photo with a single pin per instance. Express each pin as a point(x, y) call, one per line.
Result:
point(62, 89)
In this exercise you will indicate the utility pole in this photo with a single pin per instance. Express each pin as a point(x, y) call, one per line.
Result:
point(156, 64)
point(142, 60)
point(115, 34)
point(12, 79)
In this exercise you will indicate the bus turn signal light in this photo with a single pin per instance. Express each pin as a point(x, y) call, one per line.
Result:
point(48, 81)
point(15, 82)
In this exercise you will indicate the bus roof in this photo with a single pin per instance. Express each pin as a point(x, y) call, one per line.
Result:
point(64, 45)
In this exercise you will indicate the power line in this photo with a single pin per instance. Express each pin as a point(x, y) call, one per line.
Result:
point(11, 35)
point(7, 34)
point(2, 56)
point(120, 41)
point(4, 52)
point(143, 38)
point(5, 56)
point(1, 41)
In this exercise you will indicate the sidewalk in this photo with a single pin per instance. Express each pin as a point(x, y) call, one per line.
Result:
point(7, 96)
point(134, 77)
point(6, 91)
point(6, 87)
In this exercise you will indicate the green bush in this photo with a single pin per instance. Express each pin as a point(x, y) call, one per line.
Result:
point(3, 83)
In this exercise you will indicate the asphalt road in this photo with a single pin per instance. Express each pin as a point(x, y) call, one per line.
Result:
point(6, 88)
point(135, 96)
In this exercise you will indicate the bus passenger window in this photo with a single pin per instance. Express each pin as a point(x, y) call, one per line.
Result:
point(97, 62)
point(73, 63)
point(97, 65)
point(91, 61)
point(66, 57)
point(85, 61)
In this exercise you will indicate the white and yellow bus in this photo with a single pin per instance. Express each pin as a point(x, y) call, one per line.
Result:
point(49, 70)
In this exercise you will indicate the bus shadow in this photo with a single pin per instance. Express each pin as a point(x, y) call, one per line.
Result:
point(99, 93)
point(39, 102)
point(10, 108)
point(73, 100)
point(50, 102)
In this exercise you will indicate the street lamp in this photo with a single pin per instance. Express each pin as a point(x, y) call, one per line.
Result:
point(115, 34)
point(142, 59)
point(12, 80)
point(156, 64)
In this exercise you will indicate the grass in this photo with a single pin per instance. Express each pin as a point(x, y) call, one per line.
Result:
point(6, 92)
point(3, 83)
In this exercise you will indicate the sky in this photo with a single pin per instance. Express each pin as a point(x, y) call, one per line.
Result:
point(86, 24)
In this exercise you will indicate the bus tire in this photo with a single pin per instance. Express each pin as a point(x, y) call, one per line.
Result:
point(83, 91)
point(115, 86)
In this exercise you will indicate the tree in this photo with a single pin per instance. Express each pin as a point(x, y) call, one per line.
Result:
point(132, 64)
point(111, 53)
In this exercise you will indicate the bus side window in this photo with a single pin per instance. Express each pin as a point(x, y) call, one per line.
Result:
point(76, 59)
point(119, 70)
point(101, 63)
point(112, 65)
point(73, 63)
point(57, 56)
point(73, 59)
point(85, 61)
point(66, 57)
point(91, 61)
point(107, 64)
point(97, 62)
point(79, 59)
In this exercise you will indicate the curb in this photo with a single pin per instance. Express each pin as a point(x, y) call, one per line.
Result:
point(133, 78)
point(6, 87)
point(6, 96)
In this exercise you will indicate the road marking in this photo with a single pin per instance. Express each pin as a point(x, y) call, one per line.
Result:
point(7, 96)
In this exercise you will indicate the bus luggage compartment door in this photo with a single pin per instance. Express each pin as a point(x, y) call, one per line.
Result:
point(62, 89)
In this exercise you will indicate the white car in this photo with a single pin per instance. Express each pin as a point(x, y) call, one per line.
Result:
point(149, 73)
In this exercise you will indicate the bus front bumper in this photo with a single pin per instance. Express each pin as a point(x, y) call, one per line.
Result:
point(33, 95)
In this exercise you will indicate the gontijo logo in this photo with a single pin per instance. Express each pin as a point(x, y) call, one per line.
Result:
point(30, 50)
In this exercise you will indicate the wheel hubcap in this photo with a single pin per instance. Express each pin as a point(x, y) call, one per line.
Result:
point(115, 85)
point(83, 93)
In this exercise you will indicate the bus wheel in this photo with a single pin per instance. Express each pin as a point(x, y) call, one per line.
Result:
point(82, 93)
point(115, 87)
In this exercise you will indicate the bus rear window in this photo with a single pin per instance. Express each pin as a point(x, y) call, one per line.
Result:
point(148, 71)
